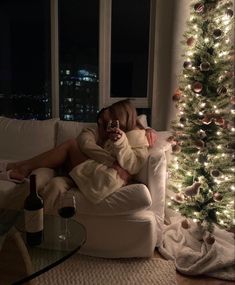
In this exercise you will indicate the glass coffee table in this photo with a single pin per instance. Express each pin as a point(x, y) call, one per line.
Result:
point(20, 263)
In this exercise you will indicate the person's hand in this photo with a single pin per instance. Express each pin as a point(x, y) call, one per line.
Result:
point(151, 136)
point(124, 174)
point(114, 134)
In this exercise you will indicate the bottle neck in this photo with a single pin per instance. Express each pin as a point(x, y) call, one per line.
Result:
point(32, 185)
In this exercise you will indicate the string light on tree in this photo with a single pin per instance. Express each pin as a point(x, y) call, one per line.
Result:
point(203, 134)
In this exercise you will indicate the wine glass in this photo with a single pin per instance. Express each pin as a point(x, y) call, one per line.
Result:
point(66, 209)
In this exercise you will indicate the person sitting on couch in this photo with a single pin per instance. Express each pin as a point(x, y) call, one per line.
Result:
point(97, 164)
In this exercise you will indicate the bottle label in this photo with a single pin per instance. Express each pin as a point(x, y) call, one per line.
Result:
point(33, 220)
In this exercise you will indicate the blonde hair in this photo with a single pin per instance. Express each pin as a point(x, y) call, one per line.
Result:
point(125, 112)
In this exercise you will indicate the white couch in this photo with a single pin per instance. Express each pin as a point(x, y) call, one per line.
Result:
point(128, 223)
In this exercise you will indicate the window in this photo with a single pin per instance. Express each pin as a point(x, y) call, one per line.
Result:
point(78, 59)
point(70, 58)
point(130, 48)
point(25, 87)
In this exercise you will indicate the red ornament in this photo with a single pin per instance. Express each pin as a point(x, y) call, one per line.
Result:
point(185, 224)
point(207, 120)
point(205, 66)
point(219, 121)
point(221, 90)
point(177, 95)
point(197, 87)
point(199, 144)
point(199, 7)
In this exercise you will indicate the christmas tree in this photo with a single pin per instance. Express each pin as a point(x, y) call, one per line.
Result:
point(202, 169)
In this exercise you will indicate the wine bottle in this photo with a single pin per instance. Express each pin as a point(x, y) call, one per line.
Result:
point(33, 210)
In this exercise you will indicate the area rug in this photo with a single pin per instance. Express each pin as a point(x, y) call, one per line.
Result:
point(85, 270)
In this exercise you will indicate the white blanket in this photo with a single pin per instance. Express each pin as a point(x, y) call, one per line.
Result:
point(193, 255)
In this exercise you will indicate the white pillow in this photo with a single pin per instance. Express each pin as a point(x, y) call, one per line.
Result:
point(22, 139)
point(68, 129)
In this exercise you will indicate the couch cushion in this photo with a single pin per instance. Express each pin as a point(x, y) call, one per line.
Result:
point(22, 139)
point(126, 200)
point(68, 129)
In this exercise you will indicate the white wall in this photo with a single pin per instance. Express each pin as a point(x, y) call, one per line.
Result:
point(171, 23)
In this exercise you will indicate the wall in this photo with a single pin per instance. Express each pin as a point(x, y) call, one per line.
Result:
point(170, 25)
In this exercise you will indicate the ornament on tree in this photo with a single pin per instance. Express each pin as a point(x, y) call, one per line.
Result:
point(217, 33)
point(199, 7)
point(221, 90)
point(177, 95)
point(210, 50)
point(182, 120)
point(179, 198)
point(217, 196)
point(229, 13)
point(185, 224)
point(197, 87)
point(176, 148)
point(199, 144)
point(215, 173)
point(210, 239)
point(201, 134)
point(205, 66)
point(207, 120)
point(190, 41)
point(219, 121)
point(187, 64)
point(192, 190)
point(171, 140)
point(232, 100)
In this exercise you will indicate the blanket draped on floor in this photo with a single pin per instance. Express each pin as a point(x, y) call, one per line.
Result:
point(193, 255)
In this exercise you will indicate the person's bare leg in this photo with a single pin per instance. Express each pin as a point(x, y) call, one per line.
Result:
point(67, 152)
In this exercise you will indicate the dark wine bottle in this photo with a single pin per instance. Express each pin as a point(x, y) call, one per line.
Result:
point(33, 210)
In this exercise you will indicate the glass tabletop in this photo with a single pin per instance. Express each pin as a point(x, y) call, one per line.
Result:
point(48, 254)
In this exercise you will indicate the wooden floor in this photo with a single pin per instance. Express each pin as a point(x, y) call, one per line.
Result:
point(197, 280)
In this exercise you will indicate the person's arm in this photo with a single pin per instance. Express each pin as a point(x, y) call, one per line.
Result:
point(88, 145)
point(130, 157)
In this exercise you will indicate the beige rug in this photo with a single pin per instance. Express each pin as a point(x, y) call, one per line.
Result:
point(87, 270)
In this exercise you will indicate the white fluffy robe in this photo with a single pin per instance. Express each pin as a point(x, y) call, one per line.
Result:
point(193, 255)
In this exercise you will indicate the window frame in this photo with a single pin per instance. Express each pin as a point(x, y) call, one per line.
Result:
point(105, 11)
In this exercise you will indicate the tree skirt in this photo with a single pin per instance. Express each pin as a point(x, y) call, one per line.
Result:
point(193, 255)
point(87, 270)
